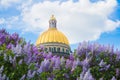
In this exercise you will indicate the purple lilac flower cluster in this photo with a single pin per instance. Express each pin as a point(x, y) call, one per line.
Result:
point(24, 61)
point(99, 62)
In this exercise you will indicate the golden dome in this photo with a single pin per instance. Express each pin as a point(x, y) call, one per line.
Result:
point(52, 35)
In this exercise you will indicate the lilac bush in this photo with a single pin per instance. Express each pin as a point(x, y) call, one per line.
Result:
point(102, 61)
point(21, 60)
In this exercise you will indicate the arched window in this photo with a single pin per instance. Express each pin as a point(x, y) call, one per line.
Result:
point(58, 49)
point(50, 49)
point(63, 50)
point(54, 49)
point(66, 51)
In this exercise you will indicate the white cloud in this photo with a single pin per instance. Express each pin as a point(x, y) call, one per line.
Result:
point(2, 20)
point(82, 20)
point(8, 3)
point(12, 22)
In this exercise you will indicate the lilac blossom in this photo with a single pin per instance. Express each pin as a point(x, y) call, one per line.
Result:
point(107, 67)
point(88, 76)
point(29, 74)
point(101, 79)
point(41, 47)
point(10, 59)
point(82, 75)
point(33, 73)
point(9, 46)
point(74, 65)
point(1, 69)
point(44, 55)
point(78, 62)
point(68, 63)
point(14, 58)
point(34, 49)
point(117, 71)
point(66, 75)
point(17, 50)
point(85, 62)
point(62, 61)
point(2, 38)
point(20, 62)
point(118, 55)
point(102, 64)
point(57, 63)
point(71, 57)
point(49, 55)
point(23, 77)
point(28, 60)
point(5, 56)
point(44, 66)
point(3, 31)
point(15, 36)
point(2, 77)
point(27, 48)
point(113, 78)
point(49, 78)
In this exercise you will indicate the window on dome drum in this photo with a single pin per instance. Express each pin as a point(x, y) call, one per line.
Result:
point(50, 49)
point(58, 49)
point(63, 50)
point(54, 49)
point(66, 51)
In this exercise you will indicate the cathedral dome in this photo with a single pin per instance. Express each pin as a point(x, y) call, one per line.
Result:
point(52, 35)
point(53, 40)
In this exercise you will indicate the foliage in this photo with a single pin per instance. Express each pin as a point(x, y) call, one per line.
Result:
point(20, 60)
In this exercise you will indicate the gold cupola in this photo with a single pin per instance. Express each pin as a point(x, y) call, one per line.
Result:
point(54, 40)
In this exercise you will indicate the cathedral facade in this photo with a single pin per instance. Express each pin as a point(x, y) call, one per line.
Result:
point(53, 40)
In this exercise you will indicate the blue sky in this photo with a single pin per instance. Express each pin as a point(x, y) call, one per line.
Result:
point(84, 20)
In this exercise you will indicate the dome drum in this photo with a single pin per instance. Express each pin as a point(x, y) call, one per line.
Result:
point(56, 48)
